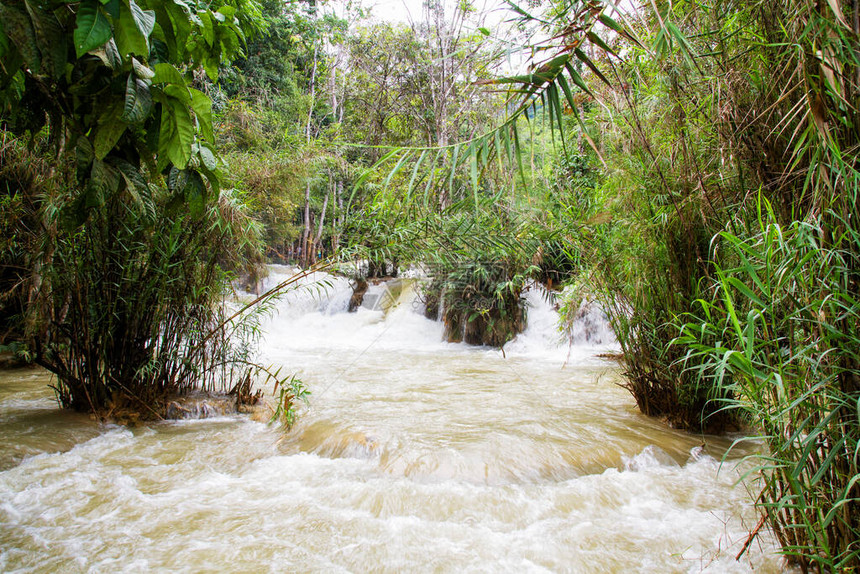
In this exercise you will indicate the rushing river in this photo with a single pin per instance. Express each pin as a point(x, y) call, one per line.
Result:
point(415, 455)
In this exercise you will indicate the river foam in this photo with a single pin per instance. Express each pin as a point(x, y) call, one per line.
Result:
point(415, 455)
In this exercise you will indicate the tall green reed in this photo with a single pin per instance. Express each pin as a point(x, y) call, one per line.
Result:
point(781, 336)
point(130, 303)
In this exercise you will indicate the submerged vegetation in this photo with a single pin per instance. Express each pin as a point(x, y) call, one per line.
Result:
point(132, 242)
point(692, 168)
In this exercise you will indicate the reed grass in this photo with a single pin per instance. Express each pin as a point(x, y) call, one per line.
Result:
point(130, 304)
point(781, 334)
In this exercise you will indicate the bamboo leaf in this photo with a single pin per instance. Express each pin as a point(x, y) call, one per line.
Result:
point(497, 143)
point(415, 172)
point(595, 39)
point(555, 102)
point(549, 109)
point(516, 8)
point(587, 61)
point(825, 465)
point(565, 87)
point(430, 180)
point(400, 163)
point(454, 156)
point(730, 309)
point(613, 25)
point(577, 79)
point(837, 11)
point(519, 155)
point(747, 292)
point(473, 170)
point(679, 37)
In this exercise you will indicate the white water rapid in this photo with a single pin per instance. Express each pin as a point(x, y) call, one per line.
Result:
point(415, 455)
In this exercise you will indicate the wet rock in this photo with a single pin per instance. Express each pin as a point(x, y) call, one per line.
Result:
point(358, 291)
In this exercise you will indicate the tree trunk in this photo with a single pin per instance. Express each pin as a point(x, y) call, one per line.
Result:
point(318, 238)
point(306, 232)
point(337, 222)
point(313, 97)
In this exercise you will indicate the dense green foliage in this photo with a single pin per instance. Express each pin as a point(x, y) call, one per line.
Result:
point(729, 137)
point(132, 242)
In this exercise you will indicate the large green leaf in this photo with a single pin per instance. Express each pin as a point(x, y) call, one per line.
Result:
point(5, 46)
point(195, 193)
point(110, 128)
point(92, 28)
point(166, 130)
point(143, 19)
point(49, 34)
point(21, 33)
point(133, 29)
point(141, 70)
point(178, 92)
point(203, 110)
point(109, 54)
point(190, 185)
point(210, 66)
point(207, 30)
point(180, 17)
point(163, 34)
point(104, 181)
point(138, 100)
point(84, 156)
point(135, 184)
point(167, 74)
point(111, 8)
point(182, 138)
point(230, 42)
point(208, 157)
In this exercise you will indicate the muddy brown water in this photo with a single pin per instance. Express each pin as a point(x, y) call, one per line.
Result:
point(414, 456)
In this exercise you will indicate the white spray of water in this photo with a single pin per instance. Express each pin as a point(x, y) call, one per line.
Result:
point(415, 455)
point(314, 313)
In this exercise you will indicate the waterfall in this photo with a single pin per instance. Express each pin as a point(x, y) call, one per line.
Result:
point(314, 311)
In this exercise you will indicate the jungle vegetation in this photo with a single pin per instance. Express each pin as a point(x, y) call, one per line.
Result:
point(690, 167)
